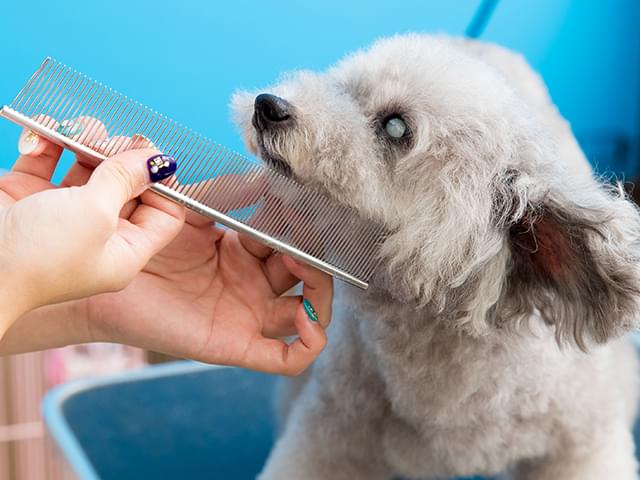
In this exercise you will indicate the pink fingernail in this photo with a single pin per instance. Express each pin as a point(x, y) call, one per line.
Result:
point(28, 142)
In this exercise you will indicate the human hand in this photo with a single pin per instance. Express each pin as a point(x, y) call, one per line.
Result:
point(58, 244)
point(215, 296)
point(211, 295)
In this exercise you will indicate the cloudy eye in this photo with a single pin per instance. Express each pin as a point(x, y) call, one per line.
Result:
point(395, 127)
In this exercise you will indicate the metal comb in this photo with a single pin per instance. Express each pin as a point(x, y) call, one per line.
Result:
point(239, 192)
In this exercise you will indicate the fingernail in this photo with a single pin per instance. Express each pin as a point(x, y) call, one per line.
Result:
point(161, 167)
point(310, 311)
point(140, 141)
point(70, 128)
point(28, 142)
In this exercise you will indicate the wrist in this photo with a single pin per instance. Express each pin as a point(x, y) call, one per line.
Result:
point(51, 326)
point(96, 318)
point(14, 287)
point(13, 301)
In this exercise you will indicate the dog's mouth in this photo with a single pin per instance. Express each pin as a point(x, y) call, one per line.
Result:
point(272, 159)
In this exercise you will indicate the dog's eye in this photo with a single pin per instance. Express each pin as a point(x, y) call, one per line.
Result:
point(395, 127)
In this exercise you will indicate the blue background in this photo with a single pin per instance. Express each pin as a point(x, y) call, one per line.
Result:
point(186, 58)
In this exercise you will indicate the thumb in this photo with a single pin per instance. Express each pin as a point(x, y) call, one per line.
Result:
point(126, 175)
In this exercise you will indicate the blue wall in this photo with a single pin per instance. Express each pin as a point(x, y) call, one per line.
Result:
point(588, 51)
point(186, 58)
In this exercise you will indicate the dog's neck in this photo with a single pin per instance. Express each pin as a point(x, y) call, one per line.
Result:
point(469, 308)
point(420, 342)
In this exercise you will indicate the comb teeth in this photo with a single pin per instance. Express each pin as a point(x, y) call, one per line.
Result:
point(241, 193)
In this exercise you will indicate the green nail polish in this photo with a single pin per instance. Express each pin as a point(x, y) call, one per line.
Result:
point(70, 129)
point(310, 311)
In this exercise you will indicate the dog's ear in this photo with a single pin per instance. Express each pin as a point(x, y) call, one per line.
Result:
point(575, 259)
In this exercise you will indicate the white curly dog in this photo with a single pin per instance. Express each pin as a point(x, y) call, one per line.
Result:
point(491, 338)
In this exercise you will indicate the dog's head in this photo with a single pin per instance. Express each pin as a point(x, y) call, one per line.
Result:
point(488, 225)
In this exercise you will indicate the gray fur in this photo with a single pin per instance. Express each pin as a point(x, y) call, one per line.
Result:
point(508, 261)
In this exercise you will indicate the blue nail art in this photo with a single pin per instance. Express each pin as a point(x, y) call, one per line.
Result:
point(161, 167)
point(310, 311)
point(70, 129)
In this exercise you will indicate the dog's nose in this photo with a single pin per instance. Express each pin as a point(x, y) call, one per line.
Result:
point(270, 109)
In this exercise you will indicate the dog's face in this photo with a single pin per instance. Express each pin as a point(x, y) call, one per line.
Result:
point(384, 127)
point(437, 146)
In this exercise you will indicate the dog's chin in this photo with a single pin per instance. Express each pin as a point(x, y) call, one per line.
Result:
point(273, 160)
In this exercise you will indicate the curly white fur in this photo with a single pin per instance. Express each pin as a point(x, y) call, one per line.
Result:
point(491, 340)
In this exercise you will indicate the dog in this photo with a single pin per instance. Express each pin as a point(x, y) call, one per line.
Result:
point(493, 337)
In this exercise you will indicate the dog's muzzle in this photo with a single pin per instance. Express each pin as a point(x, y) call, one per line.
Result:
point(271, 113)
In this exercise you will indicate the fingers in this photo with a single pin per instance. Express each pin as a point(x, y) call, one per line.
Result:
point(230, 192)
point(317, 288)
point(121, 178)
point(152, 224)
point(311, 315)
point(38, 156)
point(255, 248)
point(278, 275)
point(150, 228)
point(198, 220)
point(120, 143)
point(86, 130)
point(161, 203)
point(282, 324)
point(77, 175)
point(93, 133)
point(129, 208)
point(275, 356)
point(276, 268)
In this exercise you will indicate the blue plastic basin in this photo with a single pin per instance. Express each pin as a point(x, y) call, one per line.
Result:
point(175, 421)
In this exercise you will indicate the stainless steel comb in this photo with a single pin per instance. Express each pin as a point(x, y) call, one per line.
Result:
point(241, 193)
